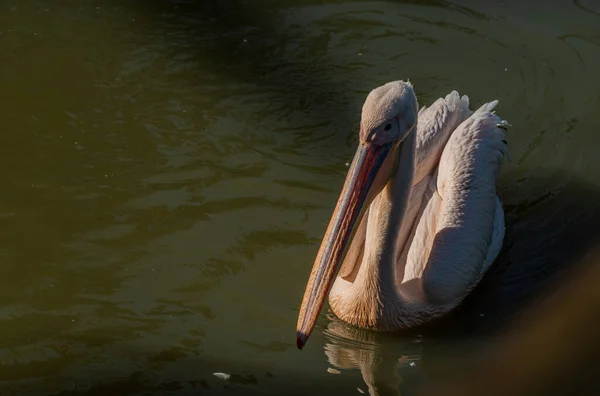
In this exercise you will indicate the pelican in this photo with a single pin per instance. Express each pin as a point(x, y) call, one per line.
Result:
point(418, 221)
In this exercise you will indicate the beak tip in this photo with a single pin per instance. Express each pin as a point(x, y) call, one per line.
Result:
point(301, 340)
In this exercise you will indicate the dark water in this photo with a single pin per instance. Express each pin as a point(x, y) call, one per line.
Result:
point(168, 169)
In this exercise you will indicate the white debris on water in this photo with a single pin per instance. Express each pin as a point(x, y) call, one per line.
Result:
point(222, 376)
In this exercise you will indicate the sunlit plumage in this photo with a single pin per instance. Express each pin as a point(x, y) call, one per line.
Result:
point(418, 221)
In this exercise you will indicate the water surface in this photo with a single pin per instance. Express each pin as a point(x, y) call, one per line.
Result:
point(169, 167)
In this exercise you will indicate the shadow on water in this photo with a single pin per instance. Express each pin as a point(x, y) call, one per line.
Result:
point(552, 351)
point(536, 305)
point(245, 42)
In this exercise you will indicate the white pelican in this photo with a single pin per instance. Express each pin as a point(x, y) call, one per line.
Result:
point(418, 221)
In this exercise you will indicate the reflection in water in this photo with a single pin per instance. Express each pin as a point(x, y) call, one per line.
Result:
point(381, 359)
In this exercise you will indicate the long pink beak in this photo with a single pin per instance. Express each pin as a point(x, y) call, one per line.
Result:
point(347, 214)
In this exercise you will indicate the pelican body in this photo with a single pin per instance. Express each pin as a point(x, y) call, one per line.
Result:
point(418, 221)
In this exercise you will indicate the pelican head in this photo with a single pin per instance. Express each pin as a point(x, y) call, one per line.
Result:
point(389, 115)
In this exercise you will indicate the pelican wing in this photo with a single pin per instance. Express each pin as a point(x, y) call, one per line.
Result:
point(466, 215)
point(435, 126)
